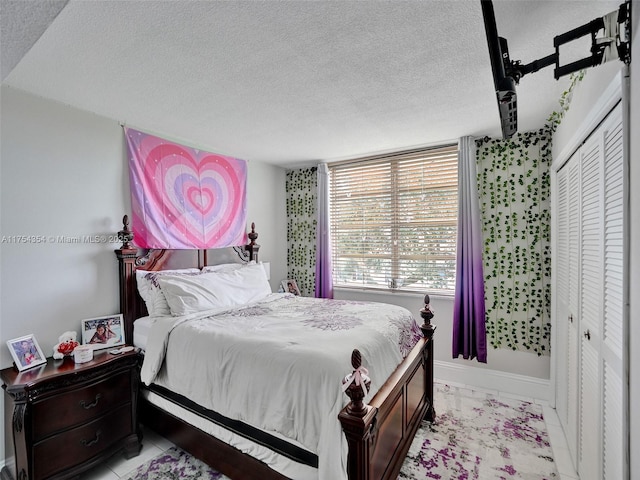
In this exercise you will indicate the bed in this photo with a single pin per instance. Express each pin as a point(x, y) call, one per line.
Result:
point(376, 424)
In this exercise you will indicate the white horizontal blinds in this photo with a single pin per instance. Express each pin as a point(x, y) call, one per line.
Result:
point(427, 199)
point(361, 216)
point(394, 220)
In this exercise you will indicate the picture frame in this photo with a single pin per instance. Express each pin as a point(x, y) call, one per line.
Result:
point(103, 332)
point(290, 286)
point(26, 352)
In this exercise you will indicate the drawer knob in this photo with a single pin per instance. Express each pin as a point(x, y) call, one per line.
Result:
point(87, 406)
point(93, 441)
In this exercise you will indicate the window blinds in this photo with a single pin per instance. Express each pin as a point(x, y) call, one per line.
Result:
point(394, 220)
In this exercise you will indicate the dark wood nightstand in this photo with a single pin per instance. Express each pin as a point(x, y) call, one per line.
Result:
point(63, 418)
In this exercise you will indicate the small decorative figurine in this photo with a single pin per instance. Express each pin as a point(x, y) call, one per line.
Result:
point(66, 346)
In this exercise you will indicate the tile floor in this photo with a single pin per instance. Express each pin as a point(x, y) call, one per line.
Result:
point(118, 467)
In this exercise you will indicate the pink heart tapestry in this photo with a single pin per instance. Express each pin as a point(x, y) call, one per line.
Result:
point(182, 197)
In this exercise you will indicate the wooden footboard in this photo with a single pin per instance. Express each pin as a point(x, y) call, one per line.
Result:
point(378, 438)
point(380, 434)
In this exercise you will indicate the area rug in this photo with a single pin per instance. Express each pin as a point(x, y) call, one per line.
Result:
point(174, 464)
point(476, 436)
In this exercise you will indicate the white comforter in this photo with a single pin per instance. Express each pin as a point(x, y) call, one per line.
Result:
point(277, 364)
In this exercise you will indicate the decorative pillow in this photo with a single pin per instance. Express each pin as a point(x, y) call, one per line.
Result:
point(190, 294)
point(149, 289)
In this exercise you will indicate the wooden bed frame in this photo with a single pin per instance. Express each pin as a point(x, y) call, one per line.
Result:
point(378, 434)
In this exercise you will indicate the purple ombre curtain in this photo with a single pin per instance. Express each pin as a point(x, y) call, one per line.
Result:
point(324, 282)
point(469, 334)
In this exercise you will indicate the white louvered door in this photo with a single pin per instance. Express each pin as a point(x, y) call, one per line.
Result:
point(562, 296)
point(566, 294)
point(589, 431)
point(589, 292)
point(612, 343)
point(572, 332)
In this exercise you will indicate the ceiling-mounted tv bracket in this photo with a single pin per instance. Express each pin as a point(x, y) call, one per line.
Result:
point(610, 39)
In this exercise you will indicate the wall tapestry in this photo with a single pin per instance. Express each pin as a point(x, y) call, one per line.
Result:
point(182, 197)
point(302, 221)
point(514, 187)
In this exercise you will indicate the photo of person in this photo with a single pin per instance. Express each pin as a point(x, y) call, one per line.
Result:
point(26, 352)
point(290, 286)
point(103, 332)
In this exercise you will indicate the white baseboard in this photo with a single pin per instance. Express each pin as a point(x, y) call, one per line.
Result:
point(529, 388)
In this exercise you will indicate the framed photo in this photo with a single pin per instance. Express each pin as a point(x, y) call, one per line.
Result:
point(291, 286)
point(26, 352)
point(103, 332)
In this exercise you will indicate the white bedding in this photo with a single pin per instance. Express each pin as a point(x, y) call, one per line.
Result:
point(141, 329)
point(277, 364)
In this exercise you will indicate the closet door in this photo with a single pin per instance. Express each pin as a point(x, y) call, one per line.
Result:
point(573, 270)
point(612, 346)
point(567, 222)
point(589, 298)
point(602, 272)
point(562, 294)
point(591, 301)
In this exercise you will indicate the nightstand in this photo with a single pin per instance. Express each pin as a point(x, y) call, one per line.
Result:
point(63, 418)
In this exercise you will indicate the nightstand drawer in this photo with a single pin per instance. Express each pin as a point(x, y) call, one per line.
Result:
point(80, 405)
point(75, 446)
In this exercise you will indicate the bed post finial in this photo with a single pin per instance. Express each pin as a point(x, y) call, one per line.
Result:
point(427, 331)
point(356, 385)
point(253, 235)
point(252, 247)
point(427, 314)
point(126, 255)
point(125, 235)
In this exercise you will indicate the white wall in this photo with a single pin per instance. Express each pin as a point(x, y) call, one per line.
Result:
point(64, 173)
point(596, 81)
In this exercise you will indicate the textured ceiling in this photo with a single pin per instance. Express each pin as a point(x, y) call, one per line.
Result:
point(289, 82)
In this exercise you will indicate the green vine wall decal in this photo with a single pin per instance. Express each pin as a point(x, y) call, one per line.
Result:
point(514, 191)
point(513, 185)
point(302, 192)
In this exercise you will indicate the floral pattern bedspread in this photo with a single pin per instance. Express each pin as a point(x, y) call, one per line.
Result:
point(277, 364)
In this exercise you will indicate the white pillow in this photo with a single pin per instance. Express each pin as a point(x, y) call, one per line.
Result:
point(190, 294)
point(225, 267)
point(149, 289)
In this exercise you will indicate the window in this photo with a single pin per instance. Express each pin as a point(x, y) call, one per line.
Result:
point(394, 221)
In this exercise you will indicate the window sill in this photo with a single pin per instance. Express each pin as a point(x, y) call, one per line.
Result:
point(387, 292)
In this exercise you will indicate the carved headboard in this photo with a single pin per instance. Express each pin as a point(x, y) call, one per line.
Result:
point(131, 258)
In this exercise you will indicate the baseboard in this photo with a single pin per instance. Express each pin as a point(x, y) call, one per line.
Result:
point(522, 386)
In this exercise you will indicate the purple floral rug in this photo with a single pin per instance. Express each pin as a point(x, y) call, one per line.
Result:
point(476, 436)
point(174, 464)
